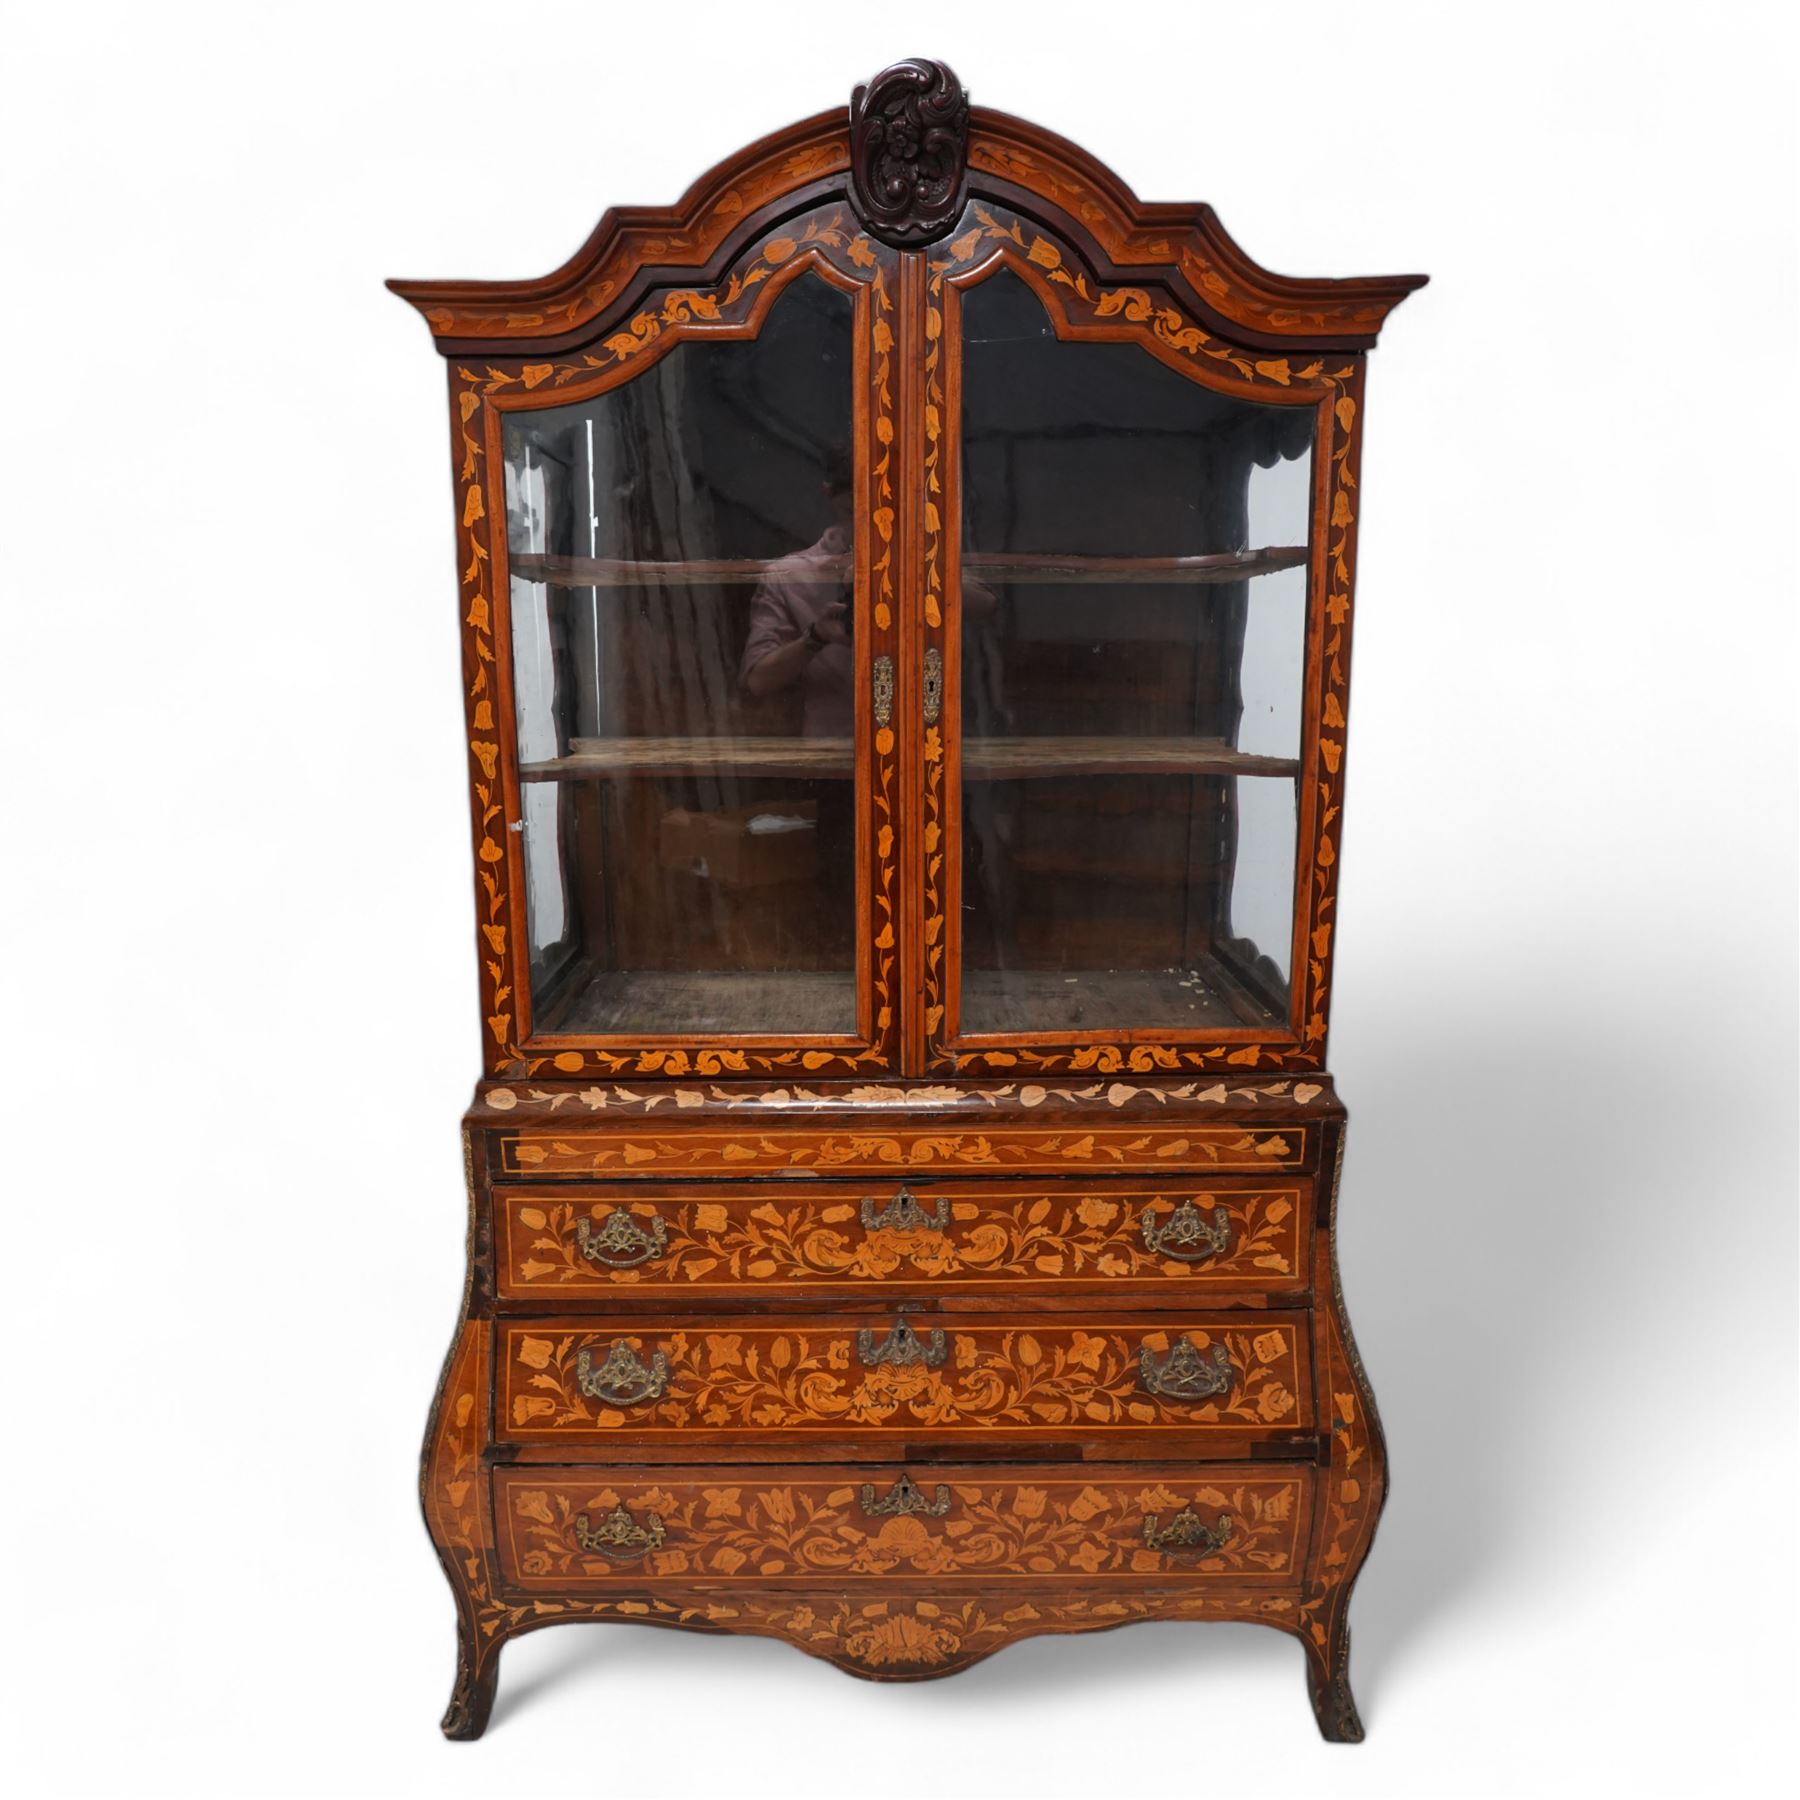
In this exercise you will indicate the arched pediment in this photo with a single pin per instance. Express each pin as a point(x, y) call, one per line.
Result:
point(1008, 161)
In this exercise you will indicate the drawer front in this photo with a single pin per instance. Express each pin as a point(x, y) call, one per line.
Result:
point(585, 1246)
point(898, 1150)
point(563, 1530)
point(567, 1380)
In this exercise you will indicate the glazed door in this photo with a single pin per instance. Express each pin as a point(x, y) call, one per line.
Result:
point(1122, 593)
point(698, 636)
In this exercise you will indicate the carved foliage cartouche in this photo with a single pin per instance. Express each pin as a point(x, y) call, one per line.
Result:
point(909, 148)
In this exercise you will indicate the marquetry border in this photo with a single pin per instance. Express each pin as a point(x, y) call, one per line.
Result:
point(827, 241)
point(1080, 306)
point(1196, 1150)
point(504, 1103)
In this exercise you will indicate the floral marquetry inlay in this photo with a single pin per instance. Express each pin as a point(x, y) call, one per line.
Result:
point(827, 238)
point(742, 1374)
point(896, 1097)
point(986, 1336)
point(993, 237)
point(973, 1235)
point(736, 1527)
point(726, 1153)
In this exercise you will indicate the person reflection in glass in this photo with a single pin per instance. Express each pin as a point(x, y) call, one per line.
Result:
point(800, 622)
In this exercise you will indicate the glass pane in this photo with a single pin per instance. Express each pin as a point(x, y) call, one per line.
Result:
point(681, 566)
point(1133, 645)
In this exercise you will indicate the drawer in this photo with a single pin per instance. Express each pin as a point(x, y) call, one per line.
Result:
point(653, 1147)
point(872, 1375)
point(562, 1530)
point(584, 1246)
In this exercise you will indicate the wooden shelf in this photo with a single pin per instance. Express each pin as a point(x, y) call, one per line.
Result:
point(832, 759)
point(1111, 571)
point(591, 571)
point(1039, 758)
point(601, 759)
point(1235, 565)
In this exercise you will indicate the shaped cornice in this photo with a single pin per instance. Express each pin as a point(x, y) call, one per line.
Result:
point(634, 249)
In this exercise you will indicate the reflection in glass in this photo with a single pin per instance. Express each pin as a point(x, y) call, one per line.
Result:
point(681, 583)
point(1134, 553)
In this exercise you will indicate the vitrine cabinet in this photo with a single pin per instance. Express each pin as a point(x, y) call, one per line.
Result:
point(906, 598)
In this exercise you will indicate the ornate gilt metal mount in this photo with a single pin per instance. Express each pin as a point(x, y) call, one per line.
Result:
point(909, 152)
point(1185, 1373)
point(1187, 1534)
point(902, 1347)
point(905, 1496)
point(883, 683)
point(1185, 1236)
point(621, 1242)
point(622, 1379)
point(619, 1536)
point(934, 684)
point(904, 1213)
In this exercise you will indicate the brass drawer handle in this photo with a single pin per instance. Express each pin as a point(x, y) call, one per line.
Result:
point(619, 1536)
point(1187, 1534)
point(623, 1380)
point(902, 1347)
point(905, 1496)
point(904, 1213)
point(1186, 1236)
point(1185, 1373)
point(621, 1242)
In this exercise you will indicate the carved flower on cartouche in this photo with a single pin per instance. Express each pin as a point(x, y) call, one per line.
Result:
point(902, 138)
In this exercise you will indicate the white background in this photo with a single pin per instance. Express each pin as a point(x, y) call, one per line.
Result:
point(239, 995)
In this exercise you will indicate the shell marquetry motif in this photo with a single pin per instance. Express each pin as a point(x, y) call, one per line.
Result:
point(909, 152)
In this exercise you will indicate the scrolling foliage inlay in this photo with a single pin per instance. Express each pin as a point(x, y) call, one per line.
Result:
point(738, 1526)
point(803, 1379)
point(985, 1237)
point(1175, 334)
point(829, 236)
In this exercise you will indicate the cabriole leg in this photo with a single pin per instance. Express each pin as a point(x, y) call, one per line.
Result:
point(1328, 1681)
point(477, 1676)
